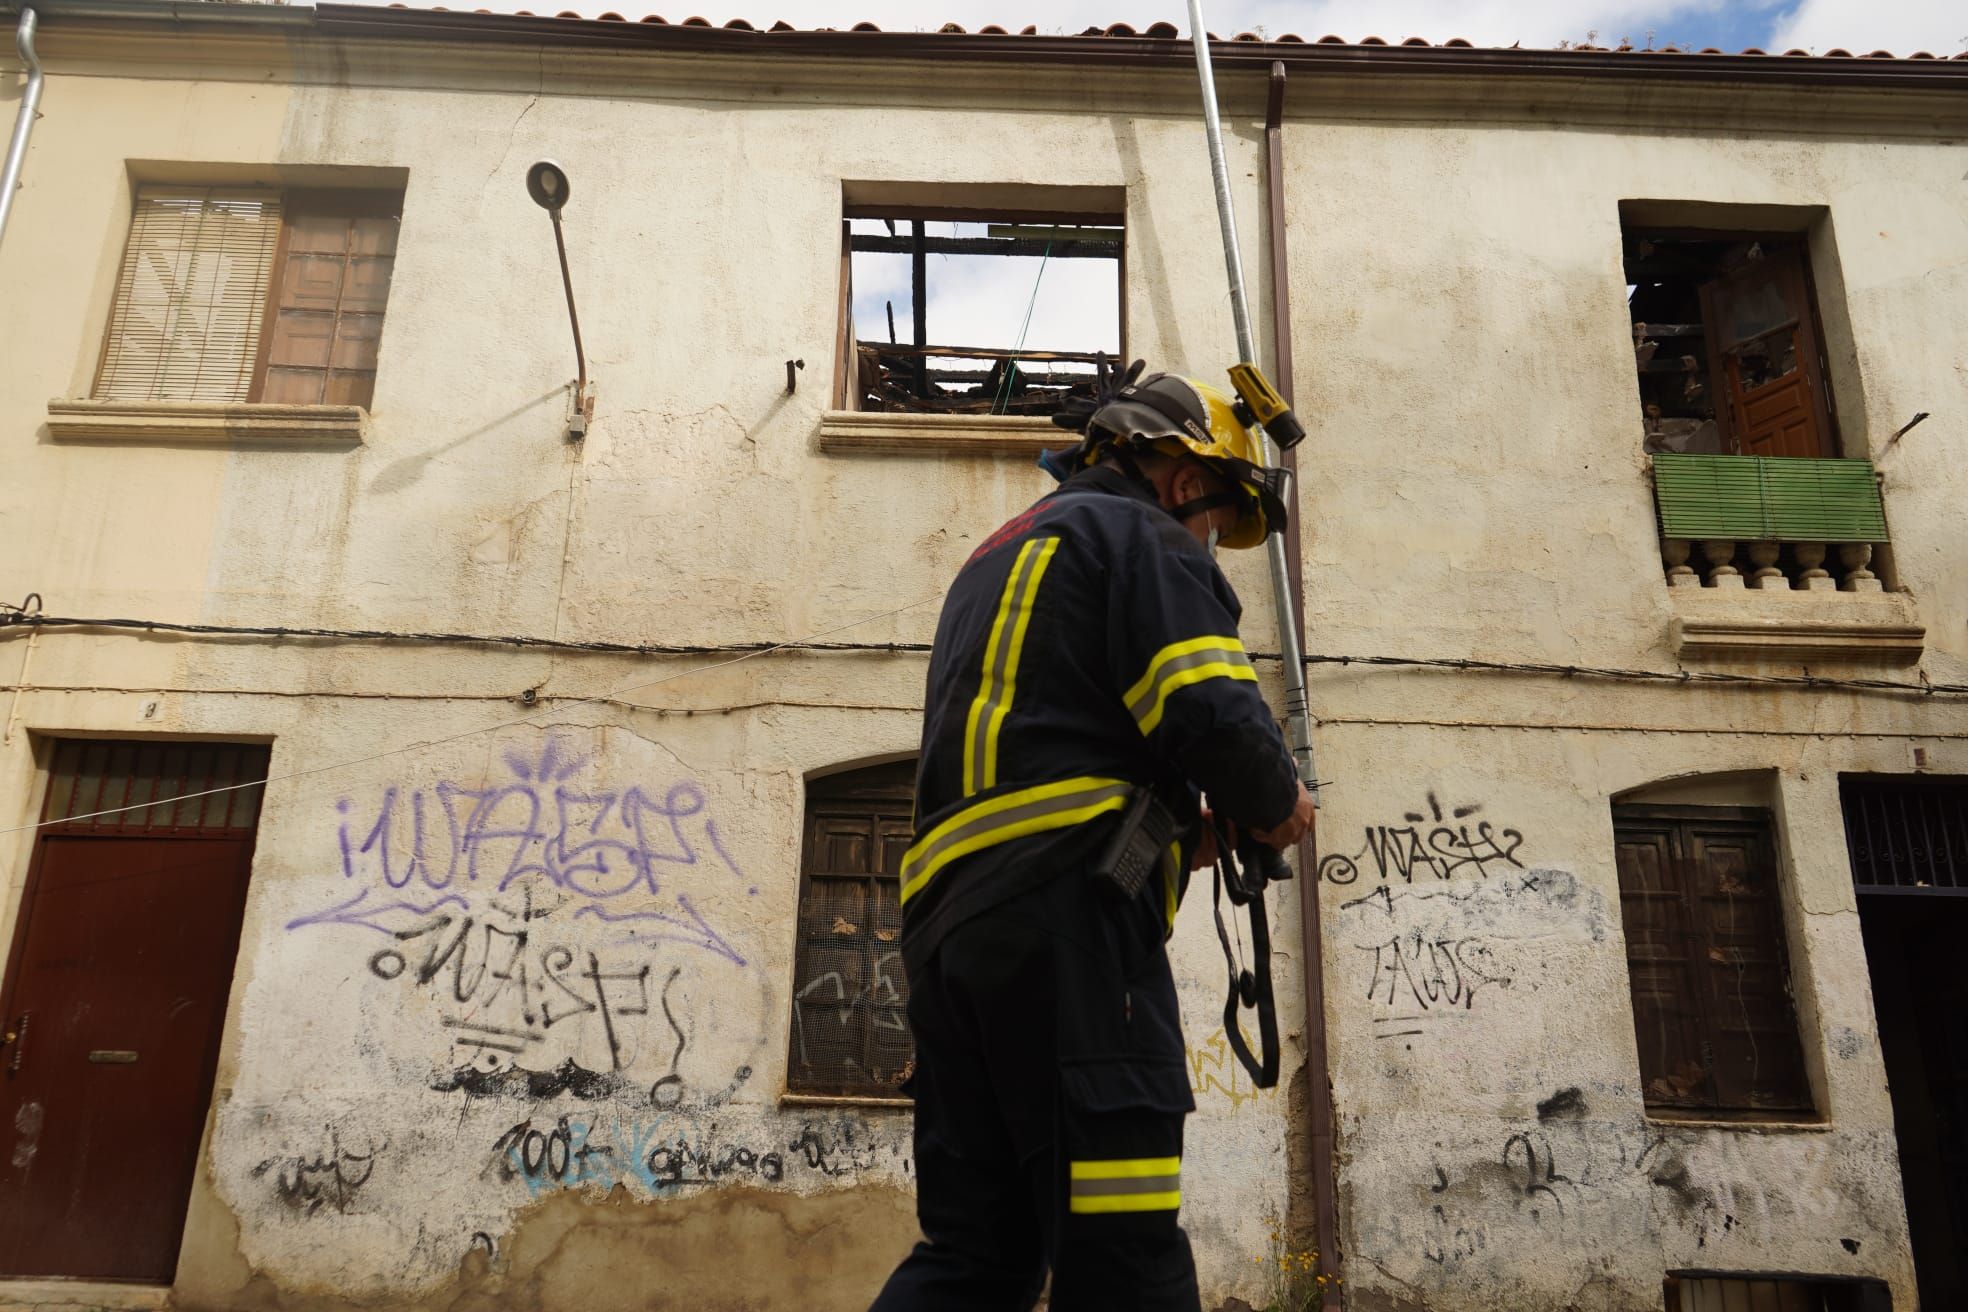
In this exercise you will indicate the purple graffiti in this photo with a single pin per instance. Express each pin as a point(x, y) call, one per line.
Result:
point(610, 853)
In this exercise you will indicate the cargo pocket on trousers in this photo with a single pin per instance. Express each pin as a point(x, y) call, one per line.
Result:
point(1121, 1124)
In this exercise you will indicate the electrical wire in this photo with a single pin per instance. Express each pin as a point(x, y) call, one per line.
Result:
point(10, 617)
point(1011, 365)
point(15, 615)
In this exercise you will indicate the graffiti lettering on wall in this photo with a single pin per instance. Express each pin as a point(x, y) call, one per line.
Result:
point(1214, 1073)
point(1435, 952)
point(1430, 974)
point(678, 1150)
point(613, 854)
point(325, 1176)
point(1429, 844)
point(539, 915)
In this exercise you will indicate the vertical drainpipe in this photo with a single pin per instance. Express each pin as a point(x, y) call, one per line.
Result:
point(1318, 1093)
point(24, 119)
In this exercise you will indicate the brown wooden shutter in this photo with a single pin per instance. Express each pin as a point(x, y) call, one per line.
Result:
point(850, 1034)
point(328, 311)
point(191, 296)
point(1756, 1059)
point(1660, 952)
point(1712, 1011)
point(1763, 357)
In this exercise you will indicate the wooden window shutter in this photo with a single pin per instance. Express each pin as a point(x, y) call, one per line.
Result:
point(191, 296)
point(850, 1031)
point(1660, 951)
point(1707, 961)
point(1756, 1060)
point(1763, 359)
point(327, 321)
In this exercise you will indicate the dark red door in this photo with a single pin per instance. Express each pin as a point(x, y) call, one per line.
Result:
point(1770, 398)
point(115, 1004)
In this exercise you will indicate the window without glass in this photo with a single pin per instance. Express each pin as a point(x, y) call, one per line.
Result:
point(977, 312)
point(231, 294)
point(1726, 341)
point(1706, 959)
point(850, 1032)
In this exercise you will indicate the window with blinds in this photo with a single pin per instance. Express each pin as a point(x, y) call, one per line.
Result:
point(191, 298)
point(230, 295)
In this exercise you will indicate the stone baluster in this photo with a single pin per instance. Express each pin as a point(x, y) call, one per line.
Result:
point(1855, 556)
point(1766, 576)
point(1674, 551)
point(1812, 575)
point(1721, 574)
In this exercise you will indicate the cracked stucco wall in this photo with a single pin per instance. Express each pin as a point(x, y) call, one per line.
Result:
point(1472, 486)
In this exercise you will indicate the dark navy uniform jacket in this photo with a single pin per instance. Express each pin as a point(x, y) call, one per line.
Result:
point(1087, 646)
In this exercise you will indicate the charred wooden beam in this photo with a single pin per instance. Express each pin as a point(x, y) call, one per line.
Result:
point(876, 244)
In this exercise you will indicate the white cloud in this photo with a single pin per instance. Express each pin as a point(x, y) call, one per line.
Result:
point(1939, 27)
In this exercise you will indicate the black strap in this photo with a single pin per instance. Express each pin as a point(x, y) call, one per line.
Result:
point(1248, 987)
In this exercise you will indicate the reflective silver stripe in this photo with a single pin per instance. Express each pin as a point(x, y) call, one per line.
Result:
point(1146, 1184)
point(1007, 816)
point(1144, 703)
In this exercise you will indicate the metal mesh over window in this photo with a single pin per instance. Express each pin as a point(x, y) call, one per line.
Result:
point(154, 787)
point(1907, 835)
point(850, 1030)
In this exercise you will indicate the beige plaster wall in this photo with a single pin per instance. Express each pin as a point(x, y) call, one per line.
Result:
point(1473, 487)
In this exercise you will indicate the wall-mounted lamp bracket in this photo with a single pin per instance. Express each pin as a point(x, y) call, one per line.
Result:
point(547, 184)
point(792, 378)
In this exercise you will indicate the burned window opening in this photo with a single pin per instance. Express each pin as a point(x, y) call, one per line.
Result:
point(1726, 344)
point(980, 313)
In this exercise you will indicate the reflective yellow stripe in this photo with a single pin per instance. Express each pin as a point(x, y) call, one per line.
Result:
point(1180, 664)
point(1125, 1184)
point(1212, 641)
point(1001, 651)
point(1194, 674)
point(1007, 816)
point(1120, 1168)
point(1010, 674)
point(1163, 1202)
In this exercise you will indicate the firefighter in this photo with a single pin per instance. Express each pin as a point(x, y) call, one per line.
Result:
point(1086, 650)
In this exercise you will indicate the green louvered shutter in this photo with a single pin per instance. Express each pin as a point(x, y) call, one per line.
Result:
point(1767, 499)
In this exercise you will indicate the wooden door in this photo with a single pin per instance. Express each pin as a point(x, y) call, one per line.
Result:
point(1763, 359)
point(115, 1004)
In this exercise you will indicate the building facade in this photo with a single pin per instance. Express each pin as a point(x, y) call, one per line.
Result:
point(553, 963)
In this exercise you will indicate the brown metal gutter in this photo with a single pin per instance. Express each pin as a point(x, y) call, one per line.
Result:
point(1092, 51)
point(1318, 1087)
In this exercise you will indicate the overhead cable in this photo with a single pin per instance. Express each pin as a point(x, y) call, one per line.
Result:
point(11, 616)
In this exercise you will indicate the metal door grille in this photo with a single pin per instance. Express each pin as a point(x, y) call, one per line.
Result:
point(100, 785)
point(1907, 834)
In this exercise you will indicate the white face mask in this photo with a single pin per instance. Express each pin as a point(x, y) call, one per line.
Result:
point(1210, 546)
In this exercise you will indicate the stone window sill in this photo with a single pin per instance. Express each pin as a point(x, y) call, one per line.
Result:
point(1754, 1122)
point(217, 423)
point(1880, 628)
point(834, 1100)
point(911, 434)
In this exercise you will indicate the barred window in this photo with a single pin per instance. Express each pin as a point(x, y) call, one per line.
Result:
point(240, 294)
point(850, 1027)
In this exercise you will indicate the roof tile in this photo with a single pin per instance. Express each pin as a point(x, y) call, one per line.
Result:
point(1166, 31)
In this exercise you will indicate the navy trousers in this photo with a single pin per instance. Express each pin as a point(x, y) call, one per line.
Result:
point(1050, 1091)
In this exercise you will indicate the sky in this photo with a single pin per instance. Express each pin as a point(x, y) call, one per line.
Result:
point(1902, 26)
